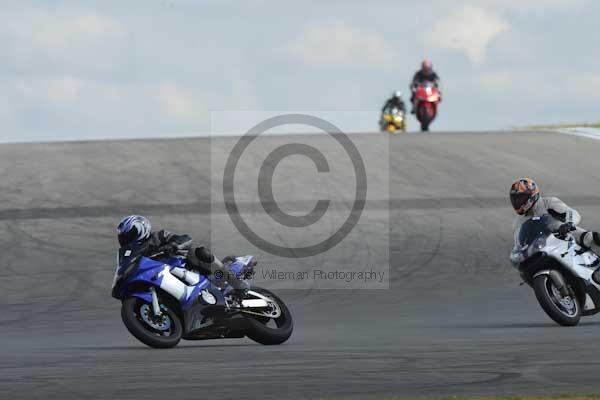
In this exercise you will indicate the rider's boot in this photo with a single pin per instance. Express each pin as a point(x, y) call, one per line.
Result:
point(596, 276)
point(239, 294)
point(591, 240)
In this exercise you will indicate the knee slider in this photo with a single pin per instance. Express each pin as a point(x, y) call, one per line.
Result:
point(589, 239)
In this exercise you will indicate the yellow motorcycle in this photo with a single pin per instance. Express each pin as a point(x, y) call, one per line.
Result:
point(393, 120)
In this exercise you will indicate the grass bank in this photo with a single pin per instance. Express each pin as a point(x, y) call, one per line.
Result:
point(559, 397)
point(563, 126)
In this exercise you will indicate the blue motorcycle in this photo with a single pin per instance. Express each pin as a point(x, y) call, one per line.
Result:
point(163, 302)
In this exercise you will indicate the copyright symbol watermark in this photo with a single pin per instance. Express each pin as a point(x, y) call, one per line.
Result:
point(266, 193)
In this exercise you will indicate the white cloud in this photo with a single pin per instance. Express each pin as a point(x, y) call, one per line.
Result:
point(178, 103)
point(39, 38)
point(535, 5)
point(243, 95)
point(100, 108)
point(469, 30)
point(582, 87)
point(497, 80)
point(59, 32)
point(339, 45)
point(56, 90)
point(539, 85)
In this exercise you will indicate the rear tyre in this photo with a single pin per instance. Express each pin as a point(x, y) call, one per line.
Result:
point(158, 332)
point(565, 311)
point(260, 332)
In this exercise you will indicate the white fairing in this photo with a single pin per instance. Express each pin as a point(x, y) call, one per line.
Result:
point(172, 285)
point(566, 252)
point(191, 277)
point(180, 283)
point(589, 303)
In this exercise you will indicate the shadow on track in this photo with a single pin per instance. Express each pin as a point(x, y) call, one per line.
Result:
point(180, 347)
point(516, 325)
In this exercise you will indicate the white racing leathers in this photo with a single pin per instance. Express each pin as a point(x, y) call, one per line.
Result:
point(561, 213)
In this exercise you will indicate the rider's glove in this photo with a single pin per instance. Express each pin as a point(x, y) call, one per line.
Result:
point(566, 228)
point(228, 260)
point(204, 255)
point(516, 256)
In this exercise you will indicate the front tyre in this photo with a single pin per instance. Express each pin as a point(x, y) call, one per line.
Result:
point(270, 331)
point(423, 115)
point(160, 332)
point(563, 310)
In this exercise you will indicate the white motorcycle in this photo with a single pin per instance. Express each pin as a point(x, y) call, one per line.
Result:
point(560, 271)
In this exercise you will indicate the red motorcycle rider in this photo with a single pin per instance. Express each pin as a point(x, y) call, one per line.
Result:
point(425, 74)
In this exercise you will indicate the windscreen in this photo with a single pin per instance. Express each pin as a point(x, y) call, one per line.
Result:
point(129, 257)
point(534, 228)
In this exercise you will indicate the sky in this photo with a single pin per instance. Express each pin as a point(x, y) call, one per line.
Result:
point(74, 70)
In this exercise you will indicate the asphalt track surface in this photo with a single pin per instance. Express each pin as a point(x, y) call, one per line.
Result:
point(453, 322)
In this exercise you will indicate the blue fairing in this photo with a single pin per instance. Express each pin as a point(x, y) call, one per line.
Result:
point(136, 274)
point(174, 261)
point(238, 267)
point(148, 274)
point(145, 296)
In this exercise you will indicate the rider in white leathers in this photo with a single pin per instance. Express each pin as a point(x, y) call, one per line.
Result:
point(527, 202)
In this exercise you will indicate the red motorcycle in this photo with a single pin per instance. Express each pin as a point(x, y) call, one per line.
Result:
point(427, 97)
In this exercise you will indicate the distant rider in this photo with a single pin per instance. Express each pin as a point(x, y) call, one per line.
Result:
point(527, 201)
point(425, 74)
point(395, 101)
point(136, 230)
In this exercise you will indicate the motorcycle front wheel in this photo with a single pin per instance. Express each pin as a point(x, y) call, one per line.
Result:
point(425, 115)
point(160, 332)
point(563, 310)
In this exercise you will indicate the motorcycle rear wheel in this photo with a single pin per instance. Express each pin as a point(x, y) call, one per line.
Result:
point(563, 311)
point(162, 334)
point(263, 334)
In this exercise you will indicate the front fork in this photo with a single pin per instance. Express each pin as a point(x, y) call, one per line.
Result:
point(558, 280)
point(155, 305)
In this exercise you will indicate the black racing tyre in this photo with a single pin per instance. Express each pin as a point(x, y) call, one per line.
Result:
point(258, 329)
point(161, 333)
point(565, 311)
point(423, 117)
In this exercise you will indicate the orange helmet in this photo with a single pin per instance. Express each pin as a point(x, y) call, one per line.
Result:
point(524, 192)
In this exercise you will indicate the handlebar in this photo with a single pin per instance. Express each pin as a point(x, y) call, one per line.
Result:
point(165, 250)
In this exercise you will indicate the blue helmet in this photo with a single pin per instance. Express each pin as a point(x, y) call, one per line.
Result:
point(133, 229)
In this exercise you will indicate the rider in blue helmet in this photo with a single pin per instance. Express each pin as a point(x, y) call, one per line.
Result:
point(136, 230)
